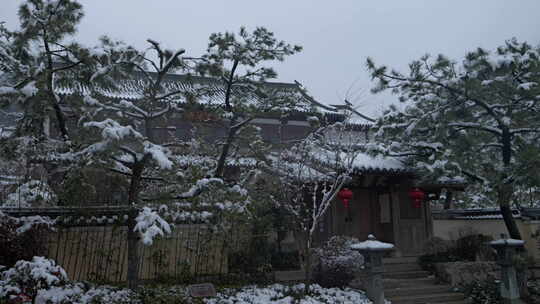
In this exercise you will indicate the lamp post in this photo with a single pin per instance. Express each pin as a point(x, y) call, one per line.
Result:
point(507, 249)
point(373, 251)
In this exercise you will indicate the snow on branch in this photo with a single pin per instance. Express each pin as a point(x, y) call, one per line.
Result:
point(199, 186)
point(470, 125)
point(150, 225)
point(26, 223)
point(159, 154)
point(112, 130)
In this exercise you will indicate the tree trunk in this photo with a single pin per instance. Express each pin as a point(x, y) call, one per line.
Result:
point(505, 190)
point(59, 116)
point(303, 241)
point(307, 271)
point(133, 253)
point(50, 90)
point(136, 177)
point(220, 169)
point(509, 221)
point(133, 238)
point(148, 129)
point(230, 136)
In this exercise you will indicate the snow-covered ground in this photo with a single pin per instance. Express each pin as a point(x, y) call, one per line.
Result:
point(79, 293)
point(283, 294)
point(41, 281)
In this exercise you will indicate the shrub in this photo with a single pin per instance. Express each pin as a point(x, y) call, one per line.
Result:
point(84, 293)
point(436, 245)
point(286, 260)
point(335, 264)
point(474, 247)
point(26, 278)
point(22, 239)
point(483, 292)
point(436, 250)
point(467, 248)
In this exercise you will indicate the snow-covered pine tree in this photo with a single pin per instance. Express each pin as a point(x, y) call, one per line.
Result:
point(237, 61)
point(477, 120)
point(31, 58)
point(126, 127)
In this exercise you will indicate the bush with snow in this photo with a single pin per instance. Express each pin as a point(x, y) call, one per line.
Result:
point(26, 278)
point(30, 194)
point(336, 263)
point(337, 253)
point(79, 293)
point(22, 238)
point(283, 294)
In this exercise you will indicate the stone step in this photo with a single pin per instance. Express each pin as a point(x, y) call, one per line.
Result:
point(400, 260)
point(402, 267)
point(407, 274)
point(428, 298)
point(401, 283)
point(417, 290)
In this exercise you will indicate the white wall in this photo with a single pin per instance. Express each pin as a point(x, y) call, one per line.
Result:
point(454, 228)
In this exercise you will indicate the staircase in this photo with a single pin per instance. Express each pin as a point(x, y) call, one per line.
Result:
point(406, 283)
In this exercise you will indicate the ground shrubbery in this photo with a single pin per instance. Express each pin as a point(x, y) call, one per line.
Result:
point(467, 248)
point(483, 292)
point(488, 292)
point(21, 239)
point(24, 280)
point(41, 281)
point(283, 294)
point(336, 263)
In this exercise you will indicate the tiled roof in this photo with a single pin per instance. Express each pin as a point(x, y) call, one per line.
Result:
point(204, 90)
point(476, 214)
point(367, 163)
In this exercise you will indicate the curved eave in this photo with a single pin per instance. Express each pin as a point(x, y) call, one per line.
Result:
point(385, 171)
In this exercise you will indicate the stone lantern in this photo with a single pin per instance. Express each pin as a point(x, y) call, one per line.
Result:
point(373, 252)
point(506, 250)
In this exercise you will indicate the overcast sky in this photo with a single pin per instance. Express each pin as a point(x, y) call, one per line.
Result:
point(337, 36)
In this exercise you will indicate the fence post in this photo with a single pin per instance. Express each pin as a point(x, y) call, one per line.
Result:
point(132, 250)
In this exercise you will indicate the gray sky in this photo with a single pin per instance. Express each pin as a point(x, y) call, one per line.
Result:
point(337, 36)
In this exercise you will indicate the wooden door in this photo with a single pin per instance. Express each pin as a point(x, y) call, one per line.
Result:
point(412, 228)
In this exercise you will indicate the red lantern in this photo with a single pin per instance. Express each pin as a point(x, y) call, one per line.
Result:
point(417, 196)
point(345, 195)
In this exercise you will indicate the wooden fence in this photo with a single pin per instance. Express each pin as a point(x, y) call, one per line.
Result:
point(99, 253)
point(95, 249)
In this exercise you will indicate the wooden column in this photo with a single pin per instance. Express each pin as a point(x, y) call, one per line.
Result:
point(394, 197)
point(428, 219)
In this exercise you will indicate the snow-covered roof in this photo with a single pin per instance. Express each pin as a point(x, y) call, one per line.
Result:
point(207, 90)
point(204, 90)
point(364, 162)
